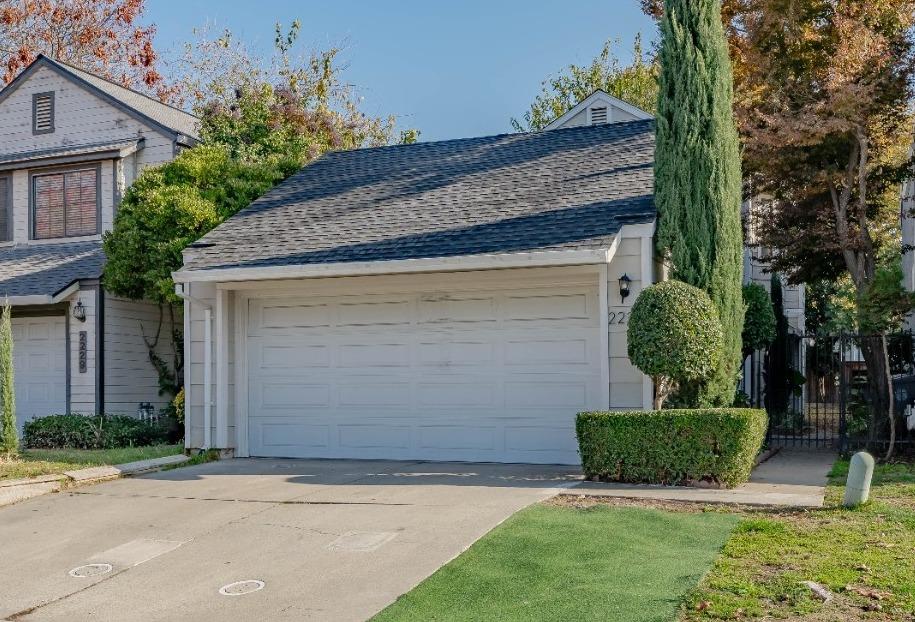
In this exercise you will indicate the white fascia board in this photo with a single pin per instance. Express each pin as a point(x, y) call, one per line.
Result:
point(41, 299)
point(641, 230)
point(401, 266)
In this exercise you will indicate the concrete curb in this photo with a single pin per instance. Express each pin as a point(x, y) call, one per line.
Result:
point(16, 490)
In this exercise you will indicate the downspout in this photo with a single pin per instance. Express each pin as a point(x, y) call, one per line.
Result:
point(207, 363)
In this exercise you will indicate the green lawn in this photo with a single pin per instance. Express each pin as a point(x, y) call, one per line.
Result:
point(34, 462)
point(865, 556)
point(552, 562)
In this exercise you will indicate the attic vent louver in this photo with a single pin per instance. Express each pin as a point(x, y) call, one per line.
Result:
point(598, 115)
point(43, 113)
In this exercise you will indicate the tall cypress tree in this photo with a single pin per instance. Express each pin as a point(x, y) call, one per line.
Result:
point(697, 172)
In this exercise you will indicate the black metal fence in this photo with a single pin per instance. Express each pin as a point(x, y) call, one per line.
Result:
point(829, 390)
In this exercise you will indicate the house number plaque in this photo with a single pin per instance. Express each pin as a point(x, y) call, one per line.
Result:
point(83, 351)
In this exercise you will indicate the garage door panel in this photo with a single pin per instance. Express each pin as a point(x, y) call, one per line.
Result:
point(279, 434)
point(293, 393)
point(457, 394)
point(374, 393)
point(458, 437)
point(294, 356)
point(456, 353)
point(381, 313)
point(552, 351)
point(380, 436)
point(542, 394)
point(494, 376)
point(449, 309)
point(353, 354)
point(547, 307)
point(293, 316)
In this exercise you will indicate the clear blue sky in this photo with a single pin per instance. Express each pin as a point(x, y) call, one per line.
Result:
point(451, 69)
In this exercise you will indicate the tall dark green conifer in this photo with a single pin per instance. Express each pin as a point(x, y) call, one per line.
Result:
point(697, 172)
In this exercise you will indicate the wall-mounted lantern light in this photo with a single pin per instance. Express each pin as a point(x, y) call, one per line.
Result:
point(624, 286)
point(79, 311)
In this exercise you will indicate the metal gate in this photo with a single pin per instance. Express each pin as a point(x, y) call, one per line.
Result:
point(818, 390)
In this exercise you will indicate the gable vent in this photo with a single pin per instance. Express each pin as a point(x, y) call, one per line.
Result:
point(598, 115)
point(43, 113)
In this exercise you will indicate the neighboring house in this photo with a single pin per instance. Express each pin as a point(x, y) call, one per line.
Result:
point(454, 300)
point(757, 269)
point(70, 144)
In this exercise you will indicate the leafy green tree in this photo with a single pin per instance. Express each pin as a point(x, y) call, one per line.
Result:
point(9, 438)
point(759, 319)
point(698, 175)
point(636, 83)
point(169, 207)
point(674, 336)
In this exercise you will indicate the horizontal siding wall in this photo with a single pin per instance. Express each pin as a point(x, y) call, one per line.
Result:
point(83, 384)
point(80, 118)
point(130, 377)
point(194, 340)
point(626, 381)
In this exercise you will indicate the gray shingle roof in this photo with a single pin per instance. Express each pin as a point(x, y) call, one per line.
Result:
point(46, 269)
point(561, 189)
point(173, 118)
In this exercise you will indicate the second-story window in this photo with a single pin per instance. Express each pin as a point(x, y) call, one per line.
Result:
point(65, 204)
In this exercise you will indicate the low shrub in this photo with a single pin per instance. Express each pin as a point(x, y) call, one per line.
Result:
point(91, 432)
point(716, 446)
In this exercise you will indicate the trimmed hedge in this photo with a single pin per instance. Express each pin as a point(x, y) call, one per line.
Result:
point(717, 446)
point(91, 432)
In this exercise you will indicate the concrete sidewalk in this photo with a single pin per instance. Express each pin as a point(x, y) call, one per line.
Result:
point(790, 478)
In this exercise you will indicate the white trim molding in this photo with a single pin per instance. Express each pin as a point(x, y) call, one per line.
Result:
point(400, 266)
point(602, 97)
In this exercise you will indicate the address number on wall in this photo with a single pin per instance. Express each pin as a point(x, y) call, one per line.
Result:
point(618, 317)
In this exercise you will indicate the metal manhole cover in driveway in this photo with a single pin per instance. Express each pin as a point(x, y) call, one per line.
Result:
point(240, 588)
point(90, 570)
point(361, 541)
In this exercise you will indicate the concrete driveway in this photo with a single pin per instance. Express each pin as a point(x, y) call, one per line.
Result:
point(329, 539)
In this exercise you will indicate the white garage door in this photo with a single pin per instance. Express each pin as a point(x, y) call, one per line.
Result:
point(40, 366)
point(478, 376)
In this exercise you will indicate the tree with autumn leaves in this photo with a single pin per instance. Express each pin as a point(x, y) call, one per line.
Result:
point(104, 37)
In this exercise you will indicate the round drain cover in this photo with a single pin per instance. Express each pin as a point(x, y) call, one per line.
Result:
point(241, 587)
point(90, 570)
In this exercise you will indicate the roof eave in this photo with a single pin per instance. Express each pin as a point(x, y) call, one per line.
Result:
point(401, 266)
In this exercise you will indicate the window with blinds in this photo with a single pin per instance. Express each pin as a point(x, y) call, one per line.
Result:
point(43, 113)
point(6, 210)
point(66, 204)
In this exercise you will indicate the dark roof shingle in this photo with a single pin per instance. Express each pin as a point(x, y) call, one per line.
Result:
point(561, 189)
point(46, 269)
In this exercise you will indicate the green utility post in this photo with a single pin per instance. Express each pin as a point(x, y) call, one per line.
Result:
point(858, 486)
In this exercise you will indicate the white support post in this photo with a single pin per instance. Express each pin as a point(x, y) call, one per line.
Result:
point(187, 373)
point(647, 277)
point(222, 368)
point(604, 315)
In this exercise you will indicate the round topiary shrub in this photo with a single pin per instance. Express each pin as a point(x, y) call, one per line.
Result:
point(759, 319)
point(674, 336)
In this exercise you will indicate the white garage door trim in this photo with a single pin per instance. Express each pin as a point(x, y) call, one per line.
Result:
point(584, 285)
point(40, 366)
